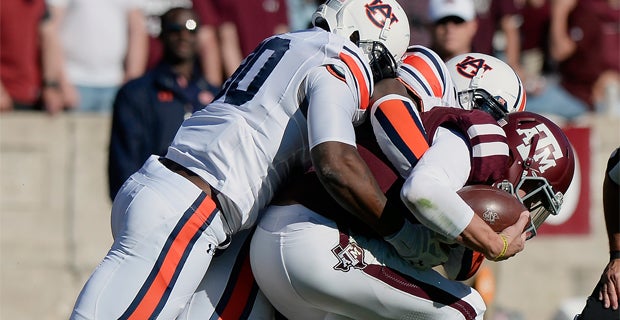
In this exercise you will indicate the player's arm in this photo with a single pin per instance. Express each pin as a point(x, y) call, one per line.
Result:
point(334, 155)
point(610, 290)
point(430, 193)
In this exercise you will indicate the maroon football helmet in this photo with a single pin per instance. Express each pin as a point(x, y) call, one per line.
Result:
point(541, 165)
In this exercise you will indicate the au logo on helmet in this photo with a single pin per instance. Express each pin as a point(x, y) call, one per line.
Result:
point(379, 12)
point(469, 66)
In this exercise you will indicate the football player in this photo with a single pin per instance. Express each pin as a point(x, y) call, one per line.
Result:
point(237, 292)
point(602, 304)
point(429, 81)
point(292, 103)
point(314, 261)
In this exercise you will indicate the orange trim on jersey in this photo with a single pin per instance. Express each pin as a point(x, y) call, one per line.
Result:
point(359, 76)
point(399, 116)
point(523, 102)
point(407, 86)
point(331, 70)
point(241, 293)
point(412, 92)
point(427, 73)
point(160, 284)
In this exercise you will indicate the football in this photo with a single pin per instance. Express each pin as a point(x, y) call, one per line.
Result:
point(498, 208)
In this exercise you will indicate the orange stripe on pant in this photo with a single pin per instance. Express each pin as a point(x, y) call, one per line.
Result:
point(161, 282)
point(400, 117)
point(241, 293)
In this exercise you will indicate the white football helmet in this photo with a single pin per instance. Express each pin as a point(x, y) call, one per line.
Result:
point(379, 27)
point(485, 82)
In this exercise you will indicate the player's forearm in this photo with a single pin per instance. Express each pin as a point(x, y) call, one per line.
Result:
point(611, 208)
point(347, 178)
point(480, 237)
point(434, 203)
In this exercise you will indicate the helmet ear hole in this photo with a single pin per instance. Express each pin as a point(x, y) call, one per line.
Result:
point(321, 23)
point(355, 37)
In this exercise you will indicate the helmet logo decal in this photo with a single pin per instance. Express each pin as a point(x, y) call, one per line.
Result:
point(379, 12)
point(469, 67)
point(501, 101)
point(548, 149)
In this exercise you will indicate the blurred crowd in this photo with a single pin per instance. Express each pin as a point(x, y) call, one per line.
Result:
point(75, 55)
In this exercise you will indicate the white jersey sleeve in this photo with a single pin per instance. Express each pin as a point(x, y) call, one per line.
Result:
point(443, 168)
point(330, 116)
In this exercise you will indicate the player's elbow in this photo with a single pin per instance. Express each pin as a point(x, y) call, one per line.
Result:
point(413, 195)
point(335, 171)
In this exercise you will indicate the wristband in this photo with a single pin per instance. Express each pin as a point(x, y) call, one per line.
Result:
point(504, 249)
point(615, 254)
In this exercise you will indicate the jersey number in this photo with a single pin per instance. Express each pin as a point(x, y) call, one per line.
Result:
point(250, 76)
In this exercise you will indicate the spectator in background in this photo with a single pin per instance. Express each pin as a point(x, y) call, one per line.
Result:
point(300, 13)
point(209, 42)
point(575, 51)
point(104, 44)
point(603, 303)
point(24, 24)
point(534, 34)
point(498, 31)
point(242, 25)
point(453, 27)
point(149, 110)
point(419, 22)
point(153, 11)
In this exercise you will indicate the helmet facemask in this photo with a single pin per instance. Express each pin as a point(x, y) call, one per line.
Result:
point(538, 197)
point(482, 100)
point(476, 97)
point(382, 63)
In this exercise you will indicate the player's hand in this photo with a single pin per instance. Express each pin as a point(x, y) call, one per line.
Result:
point(514, 238)
point(609, 292)
point(419, 245)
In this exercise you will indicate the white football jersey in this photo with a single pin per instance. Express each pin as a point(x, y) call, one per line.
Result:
point(293, 92)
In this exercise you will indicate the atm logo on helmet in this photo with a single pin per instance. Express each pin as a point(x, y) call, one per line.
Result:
point(469, 67)
point(378, 12)
point(547, 151)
